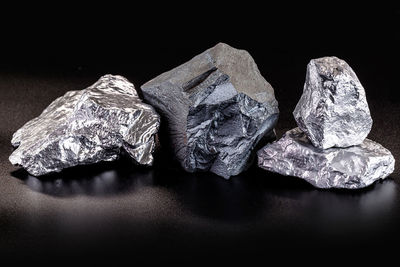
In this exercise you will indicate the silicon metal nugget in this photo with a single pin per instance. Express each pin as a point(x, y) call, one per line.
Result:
point(351, 168)
point(333, 110)
point(217, 107)
point(88, 126)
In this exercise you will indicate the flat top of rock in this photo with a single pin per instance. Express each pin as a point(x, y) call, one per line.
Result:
point(351, 167)
point(366, 148)
point(237, 64)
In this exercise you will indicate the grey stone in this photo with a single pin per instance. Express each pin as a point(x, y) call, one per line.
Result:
point(333, 110)
point(351, 168)
point(217, 106)
point(88, 126)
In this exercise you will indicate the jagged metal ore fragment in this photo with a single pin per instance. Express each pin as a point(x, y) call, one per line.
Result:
point(88, 126)
point(333, 110)
point(350, 168)
point(217, 106)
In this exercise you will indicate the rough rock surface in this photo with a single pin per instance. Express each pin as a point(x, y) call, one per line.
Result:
point(351, 168)
point(88, 126)
point(333, 110)
point(217, 106)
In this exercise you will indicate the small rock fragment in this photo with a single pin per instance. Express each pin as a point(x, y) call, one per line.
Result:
point(333, 110)
point(88, 126)
point(351, 168)
point(217, 106)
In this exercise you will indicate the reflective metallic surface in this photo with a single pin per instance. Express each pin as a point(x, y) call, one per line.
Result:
point(351, 168)
point(333, 110)
point(217, 107)
point(88, 126)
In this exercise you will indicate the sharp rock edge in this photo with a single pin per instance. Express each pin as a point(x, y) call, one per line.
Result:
point(349, 168)
point(88, 126)
point(333, 110)
point(217, 106)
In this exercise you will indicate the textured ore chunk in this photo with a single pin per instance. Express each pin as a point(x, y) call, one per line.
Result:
point(88, 126)
point(333, 110)
point(351, 168)
point(217, 106)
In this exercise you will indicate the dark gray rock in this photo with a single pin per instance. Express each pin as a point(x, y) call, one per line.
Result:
point(217, 106)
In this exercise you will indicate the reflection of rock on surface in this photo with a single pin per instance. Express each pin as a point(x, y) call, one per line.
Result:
point(217, 106)
point(96, 180)
point(203, 195)
point(371, 205)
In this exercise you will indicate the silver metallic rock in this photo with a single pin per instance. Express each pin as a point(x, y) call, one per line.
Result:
point(88, 126)
point(217, 106)
point(333, 110)
point(350, 168)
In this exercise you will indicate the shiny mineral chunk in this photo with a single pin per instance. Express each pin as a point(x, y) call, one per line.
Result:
point(333, 110)
point(87, 126)
point(351, 168)
point(217, 106)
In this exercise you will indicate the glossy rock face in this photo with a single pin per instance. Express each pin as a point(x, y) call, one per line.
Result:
point(351, 168)
point(333, 110)
point(88, 126)
point(217, 106)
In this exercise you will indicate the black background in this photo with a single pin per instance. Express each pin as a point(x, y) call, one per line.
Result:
point(191, 217)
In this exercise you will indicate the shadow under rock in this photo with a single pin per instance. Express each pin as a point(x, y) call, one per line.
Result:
point(331, 208)
point(241, 198)
point(100, 179)
point(258, 194)
point(254, 194)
